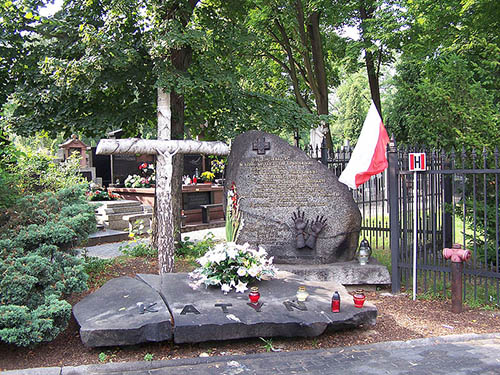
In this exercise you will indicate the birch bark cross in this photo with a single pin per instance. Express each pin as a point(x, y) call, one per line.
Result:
point(165, 150)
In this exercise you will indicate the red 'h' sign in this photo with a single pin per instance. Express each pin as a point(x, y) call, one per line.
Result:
point(417, 161)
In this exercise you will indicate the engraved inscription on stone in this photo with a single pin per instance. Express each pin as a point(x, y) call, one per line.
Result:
point(284, 182)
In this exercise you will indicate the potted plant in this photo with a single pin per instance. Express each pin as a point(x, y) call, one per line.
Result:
point(207, 177)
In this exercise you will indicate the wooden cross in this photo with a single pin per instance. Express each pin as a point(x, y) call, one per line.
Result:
point(261, 146)
point(165, 150)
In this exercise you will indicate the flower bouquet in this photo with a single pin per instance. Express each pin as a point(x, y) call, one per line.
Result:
point(136, 181)
point(98, 193)
point(229, 266)
point(146, 180)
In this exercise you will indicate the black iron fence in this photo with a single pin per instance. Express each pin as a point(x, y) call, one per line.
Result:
point(457, 201)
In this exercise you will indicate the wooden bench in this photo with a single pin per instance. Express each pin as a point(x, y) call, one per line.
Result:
point(205, 211)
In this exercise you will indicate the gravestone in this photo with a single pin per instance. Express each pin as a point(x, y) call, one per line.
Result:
point(292, 205)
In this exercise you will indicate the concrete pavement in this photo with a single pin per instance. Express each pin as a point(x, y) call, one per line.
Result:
point(112, 250)
point(456, 354)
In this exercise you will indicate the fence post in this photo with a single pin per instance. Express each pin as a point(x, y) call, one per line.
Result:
point(324, 152)
point(447, 198)
point(393, 182)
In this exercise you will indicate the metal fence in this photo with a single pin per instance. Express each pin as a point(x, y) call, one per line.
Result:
point(457, 202)
point(371, 197)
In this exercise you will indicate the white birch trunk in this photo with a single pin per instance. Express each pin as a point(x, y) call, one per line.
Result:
point(163, 234)
point(164, 213)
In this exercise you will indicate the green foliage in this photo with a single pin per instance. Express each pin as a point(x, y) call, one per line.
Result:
point(194, 250)
point(268, 344)
point(103, 357)
point(353, 104)
point(37, 268)
point(148, 357)
point(38, 171)
point(440, 103)
point(139, 249)
point(448, 78)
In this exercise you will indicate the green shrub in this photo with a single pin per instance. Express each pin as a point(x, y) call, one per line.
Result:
point(190, 249)
point(37, 267)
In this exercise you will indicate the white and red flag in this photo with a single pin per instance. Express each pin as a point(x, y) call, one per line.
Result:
point(369, 156)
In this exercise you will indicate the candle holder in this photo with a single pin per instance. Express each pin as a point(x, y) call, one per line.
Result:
point(336, 302)
point(302, 294)
point(365, 251)
point(254, 295)
point(359, 298)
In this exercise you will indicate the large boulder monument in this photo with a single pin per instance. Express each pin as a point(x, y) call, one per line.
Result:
point(291, 204)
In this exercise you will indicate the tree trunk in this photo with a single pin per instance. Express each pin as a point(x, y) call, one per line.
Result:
point(178, 163)
point(164, 213)
point(319, 73)
point(365, 14)
point(373, 81)
point(131, 146)
point(163, 133)
point(161, 213)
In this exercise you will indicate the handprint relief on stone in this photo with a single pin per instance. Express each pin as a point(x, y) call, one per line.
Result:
point(307, 238)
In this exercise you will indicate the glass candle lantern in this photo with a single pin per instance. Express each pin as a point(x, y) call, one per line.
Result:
point(254, 294)
point(302, 294)
point(336, 302)
point(365, 251)
point(359, 298)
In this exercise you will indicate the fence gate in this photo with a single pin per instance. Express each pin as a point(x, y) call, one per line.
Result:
point(457, 201)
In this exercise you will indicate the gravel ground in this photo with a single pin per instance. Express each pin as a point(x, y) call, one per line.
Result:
point(399, 318)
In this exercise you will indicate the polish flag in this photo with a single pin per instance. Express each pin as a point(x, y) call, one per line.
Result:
point(368, 157)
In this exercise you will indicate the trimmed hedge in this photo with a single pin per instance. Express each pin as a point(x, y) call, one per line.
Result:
point(38, 267)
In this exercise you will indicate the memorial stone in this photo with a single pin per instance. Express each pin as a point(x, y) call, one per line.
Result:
point(291, 204)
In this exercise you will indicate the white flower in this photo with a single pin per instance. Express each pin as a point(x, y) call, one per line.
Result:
point(217, 256)
point(225, 288)
point(240, 261)
point(232, 253)
point(203, 261)
point(241, 287)
point(241, 271)
point(254, 270)
point(262, 252)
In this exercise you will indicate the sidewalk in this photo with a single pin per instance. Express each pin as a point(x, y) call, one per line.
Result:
point(112, 250)
point(450, 355)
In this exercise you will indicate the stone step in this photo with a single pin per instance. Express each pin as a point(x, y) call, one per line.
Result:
point(123, 210)
point(142, 216)
point(116, 204)
point(116, 225)
point(106, 236)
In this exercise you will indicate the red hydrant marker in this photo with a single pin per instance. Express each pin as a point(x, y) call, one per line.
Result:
point(458, 256)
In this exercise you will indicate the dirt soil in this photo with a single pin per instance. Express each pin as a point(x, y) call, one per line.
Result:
point(399, 318)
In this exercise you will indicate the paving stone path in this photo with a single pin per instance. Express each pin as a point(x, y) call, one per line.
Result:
point(457, 355)
point(112, 250)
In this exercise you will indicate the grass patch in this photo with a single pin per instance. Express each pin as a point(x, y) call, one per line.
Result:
point(189, 251)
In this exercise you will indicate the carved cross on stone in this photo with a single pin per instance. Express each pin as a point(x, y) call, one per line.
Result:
point(261, 146)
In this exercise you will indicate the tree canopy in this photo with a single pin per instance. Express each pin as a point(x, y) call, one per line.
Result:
point(234, 65)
